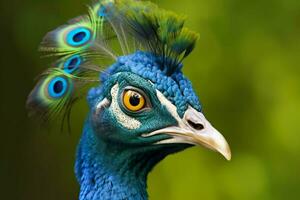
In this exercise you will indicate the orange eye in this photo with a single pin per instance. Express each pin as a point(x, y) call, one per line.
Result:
point(133, 100)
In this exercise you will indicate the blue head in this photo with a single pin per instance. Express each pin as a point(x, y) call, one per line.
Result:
point(144, 108)
point(139, 115)
point(141, 108)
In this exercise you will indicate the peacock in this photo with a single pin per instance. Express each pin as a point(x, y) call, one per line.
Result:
point(125, 58)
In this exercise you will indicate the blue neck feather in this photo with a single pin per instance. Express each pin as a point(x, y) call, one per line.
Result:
point(112, 172)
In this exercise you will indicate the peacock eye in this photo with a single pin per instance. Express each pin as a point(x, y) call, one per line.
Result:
point(57, 87)
point(79, 36)
point(133, 100)
point(72, 64)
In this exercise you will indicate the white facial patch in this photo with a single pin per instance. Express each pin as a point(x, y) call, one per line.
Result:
point(101, 105)
point(125, 120)
point(173, 111)
point(170, 107)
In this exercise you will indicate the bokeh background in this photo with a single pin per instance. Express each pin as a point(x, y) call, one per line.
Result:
point(245, 69)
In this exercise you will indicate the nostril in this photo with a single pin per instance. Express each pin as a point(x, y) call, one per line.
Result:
point(196, 126)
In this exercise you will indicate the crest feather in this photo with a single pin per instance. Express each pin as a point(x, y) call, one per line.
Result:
point(84, 45)
point(159, 31)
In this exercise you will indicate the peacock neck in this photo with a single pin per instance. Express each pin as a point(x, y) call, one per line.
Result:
point(110, 172)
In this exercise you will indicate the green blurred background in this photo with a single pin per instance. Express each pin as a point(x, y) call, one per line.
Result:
point(245, 69)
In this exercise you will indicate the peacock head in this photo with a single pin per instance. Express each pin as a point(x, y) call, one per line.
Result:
point(145, 104)
point(142, 101)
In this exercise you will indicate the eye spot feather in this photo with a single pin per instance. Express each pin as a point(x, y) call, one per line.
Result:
point(105, 9)
point(57, 87)
point(72, 64)
point(78, 36)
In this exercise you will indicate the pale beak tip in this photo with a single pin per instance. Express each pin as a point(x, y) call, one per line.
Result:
point(228, 157)
point(226, 153)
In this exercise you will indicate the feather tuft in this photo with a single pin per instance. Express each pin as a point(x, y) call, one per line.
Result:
point(84, 45)
point(156, 30)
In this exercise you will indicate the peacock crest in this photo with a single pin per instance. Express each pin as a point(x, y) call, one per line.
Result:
point(87, 45)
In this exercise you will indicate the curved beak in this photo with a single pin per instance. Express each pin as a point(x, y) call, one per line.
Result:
point(194, 129)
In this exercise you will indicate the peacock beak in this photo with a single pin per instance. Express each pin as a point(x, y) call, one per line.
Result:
point(195, 129)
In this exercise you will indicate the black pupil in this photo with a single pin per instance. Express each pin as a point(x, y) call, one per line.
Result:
point(72, 63)
point(79, 36)
point(134, 99)
point(58, 87)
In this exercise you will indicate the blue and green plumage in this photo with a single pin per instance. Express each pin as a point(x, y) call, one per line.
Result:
point(123, 139)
